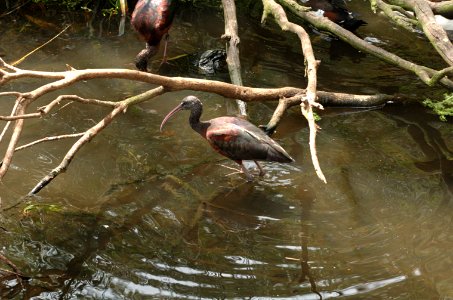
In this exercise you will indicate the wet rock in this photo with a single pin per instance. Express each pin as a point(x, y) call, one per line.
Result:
point(210, 61)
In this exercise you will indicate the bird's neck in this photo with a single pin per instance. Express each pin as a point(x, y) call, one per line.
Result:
point(194, 120)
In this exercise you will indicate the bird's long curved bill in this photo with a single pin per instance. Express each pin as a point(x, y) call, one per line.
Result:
point(169, 115)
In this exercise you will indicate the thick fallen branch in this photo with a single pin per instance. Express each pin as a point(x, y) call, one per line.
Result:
point(288, 95)
point(433, 31)
point(308, 101)
point(324, 24)
point(444, 8)
point(396, 13)
point(329, 99)
point(232, 38)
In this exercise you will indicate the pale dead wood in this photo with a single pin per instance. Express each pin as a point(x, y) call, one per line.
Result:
point(324, 24)
point(67, 78)
point(13, 140)
point(44, 110)
point(36, 49)
point(424, 17)
point(329, 99)
point(434, 32)
point(5, 129)
point(308, 101)
point(166, 84)
point(120, 107)
point(444, 8)
point(48, 139)
point(232, 38)
point(396, 13)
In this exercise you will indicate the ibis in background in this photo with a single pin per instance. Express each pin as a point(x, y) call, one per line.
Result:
point(152, 19)
point(336, 11)
point(233, 137)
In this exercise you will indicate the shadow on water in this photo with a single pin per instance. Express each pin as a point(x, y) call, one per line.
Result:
point(438, 158)
point(75, 253)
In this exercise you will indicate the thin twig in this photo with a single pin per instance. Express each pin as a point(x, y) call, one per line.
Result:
point(9, 263)
point(44, 110)
point(232, 38)
point(5, 129)
point(309, 100)
point(13, 141)
point(36, 49)
point(92, 132)
point(66, 78)
point(48, 139)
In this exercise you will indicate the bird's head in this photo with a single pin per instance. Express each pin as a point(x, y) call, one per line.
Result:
point(188, 103)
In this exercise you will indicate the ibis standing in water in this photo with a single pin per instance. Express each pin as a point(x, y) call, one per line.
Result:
point(233, 137)
point(152, 19)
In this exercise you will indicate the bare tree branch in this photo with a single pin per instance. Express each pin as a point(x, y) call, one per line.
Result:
point(322, 23)
point(92, 132)
point(48, 139)
point(434, 32)
point(13, 141)
point(397, 14)
point(232, 38)
point(5, 129)
point(166, 84)
point(309, 99)
point(44, 110)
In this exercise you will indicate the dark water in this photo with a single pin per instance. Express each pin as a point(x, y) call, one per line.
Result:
point(142, 214)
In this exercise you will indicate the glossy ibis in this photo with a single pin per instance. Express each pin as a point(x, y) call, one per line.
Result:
point(152, 20)
point(336, 11)
point(232, 137)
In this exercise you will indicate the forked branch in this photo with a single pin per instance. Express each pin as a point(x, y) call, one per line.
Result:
point(324, 24)
point(19, 113)
point(93, 131)
point(308, 101)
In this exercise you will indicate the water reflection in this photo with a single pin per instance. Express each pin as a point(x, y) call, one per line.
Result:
point(143, 215)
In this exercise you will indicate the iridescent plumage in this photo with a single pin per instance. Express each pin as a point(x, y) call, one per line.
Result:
point(152, 19)
point(233, 137)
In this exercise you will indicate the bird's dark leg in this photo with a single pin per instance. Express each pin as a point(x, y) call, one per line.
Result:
point(260, 168)
point(141, 60)
point(164, 58)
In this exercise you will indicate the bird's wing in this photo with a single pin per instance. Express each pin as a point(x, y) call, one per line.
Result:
point(239, 143)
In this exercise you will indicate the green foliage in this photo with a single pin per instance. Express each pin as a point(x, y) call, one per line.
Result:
point(110, 7)
point(442, 108)
point(41, 208)
point(70, 4)
point(317, 117)
point(113, 9)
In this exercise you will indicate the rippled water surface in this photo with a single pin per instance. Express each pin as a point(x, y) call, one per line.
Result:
point(141, 214)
